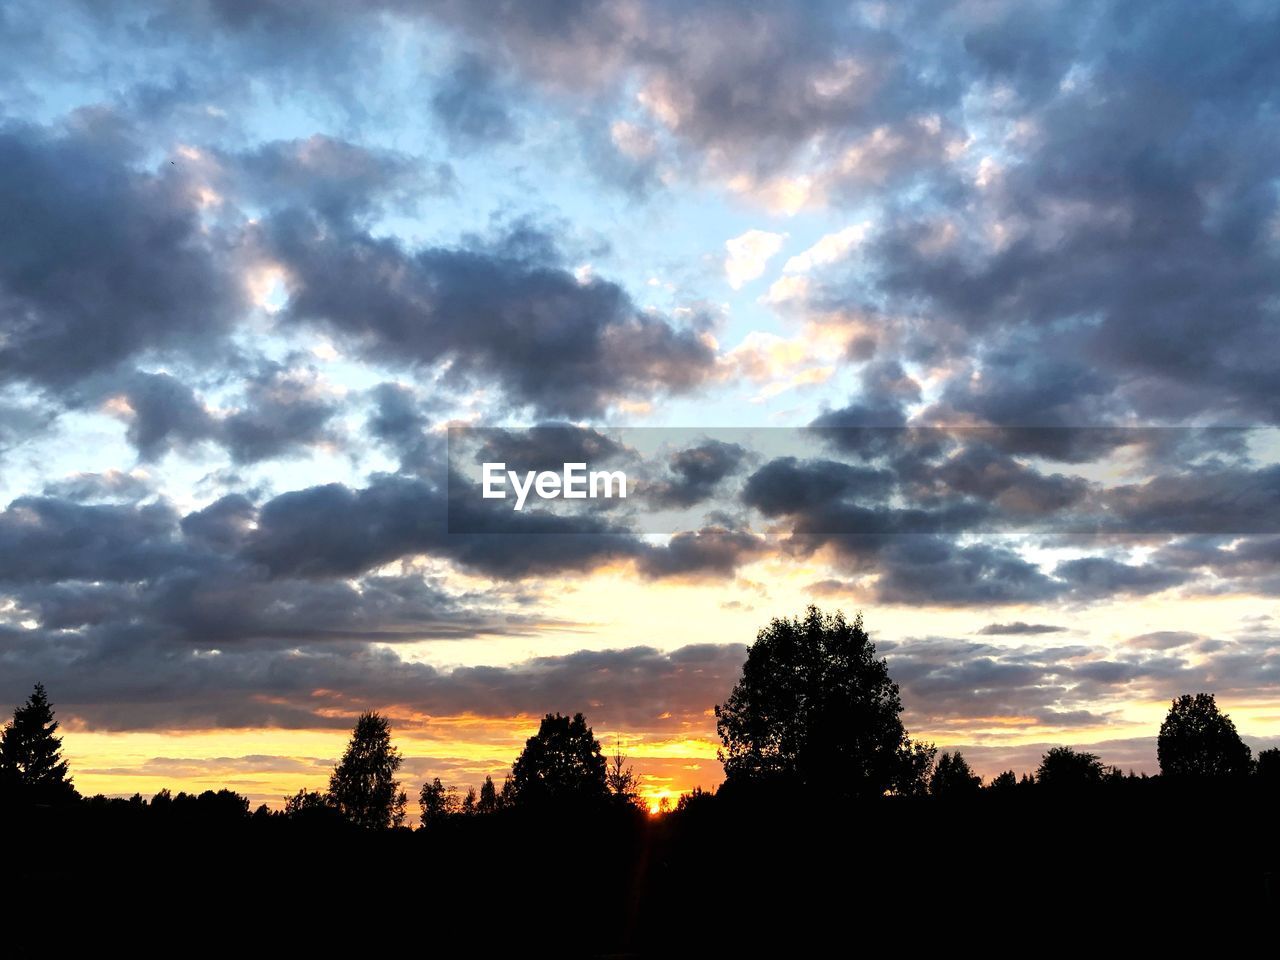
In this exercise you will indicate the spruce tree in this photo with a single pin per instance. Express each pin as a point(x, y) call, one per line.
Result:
point(31, 764)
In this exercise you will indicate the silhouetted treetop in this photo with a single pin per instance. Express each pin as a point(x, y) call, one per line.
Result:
point(488, 802)
point(438, 802)
point(1003, 782)
point(363, 785)
point(562, 762)
point(1064, 768)
point(621, 779)
point(816, 706)
point(952, 777)
point(1198, 740)
point(31, 765)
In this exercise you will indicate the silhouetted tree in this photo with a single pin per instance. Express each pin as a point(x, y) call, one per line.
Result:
point(363, 785)
point(310, 806)
point(562, 762)
point(507, 797)
point(31, 766)
point(488, 802)
point(953, 778)
point(1003, 782)
point(1268, 767)
point(469, 802)
point(695, 800)
point(621, 779)
point(1064, 768)
point(816, 707)
point(915, 769)
point(1198, 740)
point(438, 802)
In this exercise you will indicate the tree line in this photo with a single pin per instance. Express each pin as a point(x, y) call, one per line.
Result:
point(815, 711)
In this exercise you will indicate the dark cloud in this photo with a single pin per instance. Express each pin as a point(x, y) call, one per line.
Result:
point(755, 86)
point(283, 412)
point(639, 689)
point(509, 311)
point(105, 260)
point(1016, 490)
point(1104, 577)
point(937, 571)
point(400, 421)
point(225, 525)
point(163, 410)
point(866, 425)
point(1205, 501)
point(470, 106)
point(1132, 224)
point(696, 473)
point(546, 446)
point(45, 539)
point(951, 683)
point(1018, 628)
point(712, 552)
point(338, 180)
point(787, 485)
point(109, 486)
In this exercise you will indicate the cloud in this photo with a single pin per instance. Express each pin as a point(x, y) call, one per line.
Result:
point(937, 571)
point(508, 312)
point(829, 249)
point(1018, 628)
point(747, 255)
point(45, 539)
point(1104, 576)
point(470, 107)
point(284, 411)
point(112, 260)
point(336, 179)
point(787, 485)
point(696, 472)
point(1164, 640)
point(400, 421)
point(710, 553)
point(638, 690)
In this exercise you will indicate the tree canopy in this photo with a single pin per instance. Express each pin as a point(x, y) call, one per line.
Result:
point(363, 785)
point(952, 777)
point(31, 765)
point(1065, 769)
point(815, 706)
point(1198, 740)
point(438, 802)
point(561, 762)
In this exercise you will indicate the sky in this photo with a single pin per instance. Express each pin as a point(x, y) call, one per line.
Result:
point(258, 256)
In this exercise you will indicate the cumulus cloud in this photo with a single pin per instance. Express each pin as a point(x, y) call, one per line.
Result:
point(748, 254)
point(509, 311)
point(111, 261)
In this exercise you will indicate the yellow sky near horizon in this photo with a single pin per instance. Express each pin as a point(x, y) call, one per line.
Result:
point(613, 610)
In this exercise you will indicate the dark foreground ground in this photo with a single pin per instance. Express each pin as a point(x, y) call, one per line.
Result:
point(726, 878)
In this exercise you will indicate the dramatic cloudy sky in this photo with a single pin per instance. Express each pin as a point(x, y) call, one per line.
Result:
point(257, 255)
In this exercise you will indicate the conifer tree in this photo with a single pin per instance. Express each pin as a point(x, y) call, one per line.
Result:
point(31, 765)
